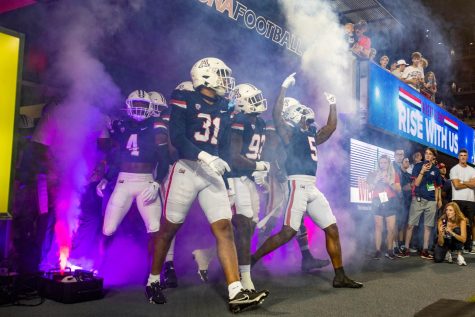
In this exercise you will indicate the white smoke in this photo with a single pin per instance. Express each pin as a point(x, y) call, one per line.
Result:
point(76, 32)
point(326, 59)
point(326, 65)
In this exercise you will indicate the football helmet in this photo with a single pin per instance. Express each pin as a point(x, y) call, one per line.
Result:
point(186, 85)
point(289, 101)
point(294, 114)
point(159, 103)
point(139, 105)
point(248, 99)
point(212, 73)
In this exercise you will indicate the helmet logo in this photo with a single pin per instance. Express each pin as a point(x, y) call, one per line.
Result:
point(203, 63)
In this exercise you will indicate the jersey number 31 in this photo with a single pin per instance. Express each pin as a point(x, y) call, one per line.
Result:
point(205, 136)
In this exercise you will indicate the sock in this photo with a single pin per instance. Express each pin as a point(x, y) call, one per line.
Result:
point(153, 278)
point(246, 281)
point(339, 273)
point(171, 252)
point(234, 288)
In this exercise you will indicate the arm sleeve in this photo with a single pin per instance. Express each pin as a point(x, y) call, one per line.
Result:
point(163, 162)
point(185, 147)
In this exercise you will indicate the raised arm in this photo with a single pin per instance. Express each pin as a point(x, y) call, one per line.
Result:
point(281, 127)
point(326, 131)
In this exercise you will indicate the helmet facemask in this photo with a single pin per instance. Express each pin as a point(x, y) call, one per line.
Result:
point(248, 99)
point(139, 110)
point(139, 105)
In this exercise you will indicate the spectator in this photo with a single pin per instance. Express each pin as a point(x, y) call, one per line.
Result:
point(383, 62)
point(400, 67)
point(406, 188)
point(362, 47)
point(425, 201)
point(452, 234)
point(393, 67)
point(349, 34)
point(424, 63)
point(414, 75)
point(385, 184)
point(446, 189)
point(463, 185)
point(416, 158)
point(430, 86)
point(372, 54)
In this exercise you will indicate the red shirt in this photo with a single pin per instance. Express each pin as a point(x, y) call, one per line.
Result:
point(364, 42)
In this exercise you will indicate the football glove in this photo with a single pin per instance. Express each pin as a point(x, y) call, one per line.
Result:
point(260, 178)
point(262, 166)
point(101, 186)
point(330, 98)
point(216, 164)
point(150, 193)
point(289, 81)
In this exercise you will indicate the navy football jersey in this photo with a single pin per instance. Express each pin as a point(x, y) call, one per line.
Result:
point(194, 124)
point(301, 152)
point(135, 141)
point(253, 139)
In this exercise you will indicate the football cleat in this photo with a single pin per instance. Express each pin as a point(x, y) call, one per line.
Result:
point(246, 299)
point(346, 282)
point(203, 275)
point(203, 258)
point(169, 279)
point(309, 264)
point(154, 294)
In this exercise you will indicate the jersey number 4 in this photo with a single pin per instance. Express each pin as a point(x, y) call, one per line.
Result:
point(255, 147)
point(205, 136)
point(313, 148)
point(132, 145)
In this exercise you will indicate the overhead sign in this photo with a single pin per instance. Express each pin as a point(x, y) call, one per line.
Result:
point(399, 109)
point(262, 25)
point(10, 50)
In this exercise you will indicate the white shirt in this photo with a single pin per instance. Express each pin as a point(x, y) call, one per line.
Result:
point(412, 72)
point(462, 174)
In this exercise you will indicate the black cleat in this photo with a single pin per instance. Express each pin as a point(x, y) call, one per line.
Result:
point(346, 282)
point(154, 294)
point(247, 299)
point(310, 264)
point(203, 275)
point(169, 279)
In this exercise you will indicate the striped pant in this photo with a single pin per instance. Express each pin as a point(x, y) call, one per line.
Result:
point(304, 196)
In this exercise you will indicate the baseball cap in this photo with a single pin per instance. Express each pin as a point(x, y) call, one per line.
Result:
point(402, 62)
point(441, 165)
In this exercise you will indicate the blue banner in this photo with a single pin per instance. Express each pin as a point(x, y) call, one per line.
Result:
point(397, 108)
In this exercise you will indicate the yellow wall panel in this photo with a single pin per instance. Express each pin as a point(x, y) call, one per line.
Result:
point(10, 50)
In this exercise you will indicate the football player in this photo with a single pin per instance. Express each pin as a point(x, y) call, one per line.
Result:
point(194, 130)
point(161, 110)
point(274, 152)
point(142, 142)
point(243, 149)
point(300, 139)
